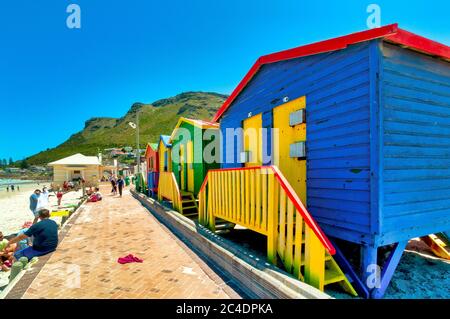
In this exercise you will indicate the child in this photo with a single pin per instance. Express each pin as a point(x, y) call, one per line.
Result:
point(59, 196)
point(90, 191)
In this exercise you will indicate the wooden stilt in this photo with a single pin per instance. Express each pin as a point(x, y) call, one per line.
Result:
point(389, 269)
point(356, 282)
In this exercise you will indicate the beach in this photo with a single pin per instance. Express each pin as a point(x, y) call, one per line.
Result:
point(14, 206)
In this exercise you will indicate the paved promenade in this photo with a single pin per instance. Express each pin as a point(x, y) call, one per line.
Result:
point(85, 263)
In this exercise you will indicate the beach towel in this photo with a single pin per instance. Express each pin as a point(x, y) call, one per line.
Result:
point(129, 259)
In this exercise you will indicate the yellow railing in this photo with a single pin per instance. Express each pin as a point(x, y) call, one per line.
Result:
point(261, 199)
point(168, 189)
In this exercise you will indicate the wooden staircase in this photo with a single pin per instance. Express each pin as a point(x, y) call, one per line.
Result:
point(332, 274)
point(262, 200)
point(439, 244)
point(189, 206)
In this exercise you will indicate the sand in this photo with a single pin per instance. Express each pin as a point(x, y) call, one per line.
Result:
point(420, 275)
point(14, 206)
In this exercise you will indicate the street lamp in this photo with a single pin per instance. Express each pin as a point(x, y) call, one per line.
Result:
point(138, 155)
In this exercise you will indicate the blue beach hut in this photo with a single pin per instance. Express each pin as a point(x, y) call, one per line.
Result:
point(363, 136)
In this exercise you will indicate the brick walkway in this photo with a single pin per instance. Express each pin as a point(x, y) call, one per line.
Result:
point(85, 263)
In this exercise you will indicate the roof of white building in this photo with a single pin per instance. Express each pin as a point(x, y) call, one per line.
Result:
point(77, 159)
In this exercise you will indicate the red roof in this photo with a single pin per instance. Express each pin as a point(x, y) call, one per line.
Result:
point(390, 33)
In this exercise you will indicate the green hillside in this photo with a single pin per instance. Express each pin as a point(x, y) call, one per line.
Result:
point(157, 118)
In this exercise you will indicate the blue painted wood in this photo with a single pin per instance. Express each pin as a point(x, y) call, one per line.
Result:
point(415, 197)
point(389, 269)
point(351, 275)
point(368, 261)
point(336, 86)
point(378, 148)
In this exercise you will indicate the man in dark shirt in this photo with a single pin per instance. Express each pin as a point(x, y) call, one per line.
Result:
point(45, 235)
point(120, 184)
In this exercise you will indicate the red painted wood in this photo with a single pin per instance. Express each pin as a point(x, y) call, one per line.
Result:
point(420, 43)
point(390, 33)
point(292, 196)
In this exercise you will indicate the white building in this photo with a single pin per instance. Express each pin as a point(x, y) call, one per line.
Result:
point(77, 166)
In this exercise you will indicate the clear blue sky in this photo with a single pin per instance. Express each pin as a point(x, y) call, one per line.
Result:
point(52, 78)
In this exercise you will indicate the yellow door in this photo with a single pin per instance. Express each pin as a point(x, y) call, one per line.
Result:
point(190, 164)
point(253, 140)
point(293, 168)
point(182, 168)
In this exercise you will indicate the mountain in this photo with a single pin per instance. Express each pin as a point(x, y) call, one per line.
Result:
point(156, 118)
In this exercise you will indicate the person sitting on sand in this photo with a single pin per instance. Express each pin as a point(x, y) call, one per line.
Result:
point(97, 196)
point(25, 242)
point(45, 237)
point(6, 253)
point(3, 242)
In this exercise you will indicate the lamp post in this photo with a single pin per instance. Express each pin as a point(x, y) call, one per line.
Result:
point(138, 155)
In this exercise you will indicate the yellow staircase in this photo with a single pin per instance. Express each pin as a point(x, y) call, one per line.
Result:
point(261, 199)
point(189, 205)
point(183, 202)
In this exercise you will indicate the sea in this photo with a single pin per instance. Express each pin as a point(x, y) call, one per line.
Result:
point(20, 185)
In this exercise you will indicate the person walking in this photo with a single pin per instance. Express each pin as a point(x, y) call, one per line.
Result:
point(43, 201)
point(113, 185)
point(59, 196)
point(34, 199)
point(120, 185)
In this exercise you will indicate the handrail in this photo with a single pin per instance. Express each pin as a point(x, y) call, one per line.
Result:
point(284, 183)
point(171, 190)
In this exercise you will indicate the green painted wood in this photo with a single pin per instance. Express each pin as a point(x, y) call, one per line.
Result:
point(199, 166)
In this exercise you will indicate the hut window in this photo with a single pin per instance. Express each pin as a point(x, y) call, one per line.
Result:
point(297, 117)
point(297, 150)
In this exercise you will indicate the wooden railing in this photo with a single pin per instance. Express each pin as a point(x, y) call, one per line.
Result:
point(261, 199)
point(168, 189)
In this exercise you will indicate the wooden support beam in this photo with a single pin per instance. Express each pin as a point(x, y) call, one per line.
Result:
point(389, 269)
point(355, 280)
point(368, 262)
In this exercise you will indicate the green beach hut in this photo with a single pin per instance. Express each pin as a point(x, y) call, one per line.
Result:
point(191, 140)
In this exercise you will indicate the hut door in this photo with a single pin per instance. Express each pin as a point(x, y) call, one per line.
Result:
point(182, 168)
point(252, 155)
point(190, 166)
point(289, 143)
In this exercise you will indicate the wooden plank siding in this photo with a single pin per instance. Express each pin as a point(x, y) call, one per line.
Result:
point(415, 92)
point(378, 137)
point(336, 86)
